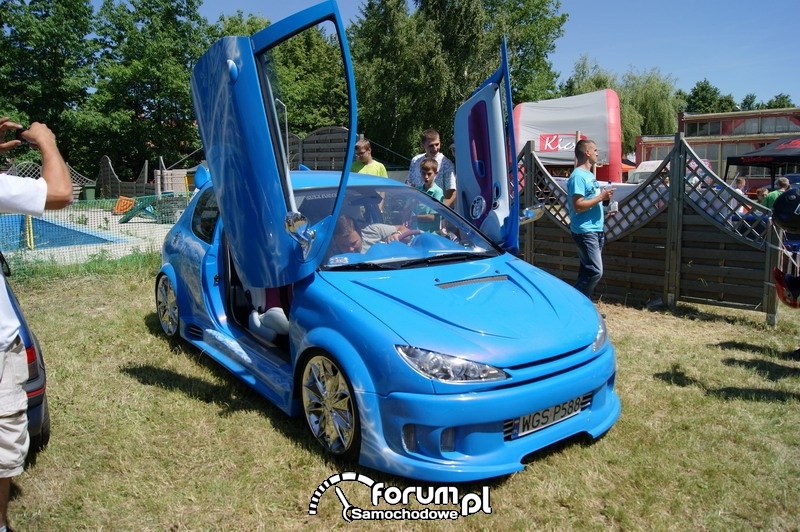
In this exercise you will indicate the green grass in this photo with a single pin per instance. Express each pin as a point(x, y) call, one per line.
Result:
point(149, 435)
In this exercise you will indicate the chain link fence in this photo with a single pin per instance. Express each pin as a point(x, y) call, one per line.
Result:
point(109, 227)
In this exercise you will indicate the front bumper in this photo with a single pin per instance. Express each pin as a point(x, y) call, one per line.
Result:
point(465, 437)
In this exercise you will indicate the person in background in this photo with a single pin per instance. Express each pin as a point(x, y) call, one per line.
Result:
point(586, 216)
point(446, 178)
point(739, 185)
point(349, 238)
point(21, 195)
point(364, 163)
point(427, 219)
point(761, 193)
point(781, 185)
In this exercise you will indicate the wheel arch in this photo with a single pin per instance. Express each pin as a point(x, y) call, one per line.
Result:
point(334, 344)
point(168, 271)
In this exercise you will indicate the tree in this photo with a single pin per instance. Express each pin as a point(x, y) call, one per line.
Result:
point(237, 24)
point(649, 103)
point(587, 76)
point(47, 64)
point(779, 101)
point(706, 98)
point(142, 108)
point(415, 69)
point(531, 28)
point(749, 102)
point(390, 78)
point(312, 87)
point(650, 97)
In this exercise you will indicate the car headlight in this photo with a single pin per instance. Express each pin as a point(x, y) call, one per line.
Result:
point(448, 368)
point(602, 334)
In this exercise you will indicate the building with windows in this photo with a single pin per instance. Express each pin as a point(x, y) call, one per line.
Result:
point(717, 136)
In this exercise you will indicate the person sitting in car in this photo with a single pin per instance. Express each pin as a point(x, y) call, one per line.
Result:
point(349, 238)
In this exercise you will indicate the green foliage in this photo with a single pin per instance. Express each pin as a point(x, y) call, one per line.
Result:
point(388, 73)
point(413, 70)
point(748, 103)
point(116, 82)
point(312, 79)
point(47, 59)
point(779, 101)
point(587, 76)
point(649, 96)
point(706, 98)
point(44, 272)
point(237, 25)
point(531, 28)
point(648, 100)
point(141, 108)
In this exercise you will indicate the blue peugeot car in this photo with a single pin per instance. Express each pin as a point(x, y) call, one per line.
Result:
point(408, 336)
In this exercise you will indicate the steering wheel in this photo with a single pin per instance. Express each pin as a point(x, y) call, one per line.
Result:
point(406, 236)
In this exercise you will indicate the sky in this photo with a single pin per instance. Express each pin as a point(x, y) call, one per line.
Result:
point(739, 46)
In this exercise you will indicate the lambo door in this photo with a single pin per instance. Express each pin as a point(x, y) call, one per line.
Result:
point(249, 95)
point(486, 169)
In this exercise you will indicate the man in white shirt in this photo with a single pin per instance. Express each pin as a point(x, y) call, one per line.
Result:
point(24, 196)
point(446, 178)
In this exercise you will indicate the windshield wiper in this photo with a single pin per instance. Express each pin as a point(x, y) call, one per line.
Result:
point(362, 266)
point(458, 256)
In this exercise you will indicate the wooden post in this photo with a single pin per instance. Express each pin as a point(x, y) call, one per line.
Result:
point(675, 222)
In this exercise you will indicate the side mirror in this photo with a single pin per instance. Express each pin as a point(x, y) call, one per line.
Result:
point(297, 226)
point(532, 213)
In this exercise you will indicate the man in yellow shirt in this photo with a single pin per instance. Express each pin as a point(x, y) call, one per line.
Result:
point(364, 163)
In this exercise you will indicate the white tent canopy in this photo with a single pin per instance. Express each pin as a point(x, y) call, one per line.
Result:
point(551, 125)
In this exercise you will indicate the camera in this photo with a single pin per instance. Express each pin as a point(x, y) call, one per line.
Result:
point(18, 134)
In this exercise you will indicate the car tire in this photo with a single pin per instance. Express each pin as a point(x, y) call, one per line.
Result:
point(330, 407)
point(40, 441)
point(167, 306)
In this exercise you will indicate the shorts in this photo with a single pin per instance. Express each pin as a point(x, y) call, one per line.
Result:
point(14, 439)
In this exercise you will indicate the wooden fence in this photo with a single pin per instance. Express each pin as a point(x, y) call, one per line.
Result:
point(109, 185)
point(681, 235)
point(322, 149)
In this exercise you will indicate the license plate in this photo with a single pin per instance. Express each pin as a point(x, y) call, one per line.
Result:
point(544, 418)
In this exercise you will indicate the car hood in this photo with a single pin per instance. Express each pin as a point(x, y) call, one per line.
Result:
point(496, 311)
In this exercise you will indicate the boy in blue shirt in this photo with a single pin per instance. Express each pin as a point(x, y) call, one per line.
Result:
point(427, 219)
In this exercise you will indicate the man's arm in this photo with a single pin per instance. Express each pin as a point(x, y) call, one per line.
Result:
point(449, 182)
point(581, 204)
point(449, 197)
point(54, 169)
point(376, 232)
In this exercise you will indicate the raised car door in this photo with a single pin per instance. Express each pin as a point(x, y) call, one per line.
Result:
point(249, 94)
point(485, 167)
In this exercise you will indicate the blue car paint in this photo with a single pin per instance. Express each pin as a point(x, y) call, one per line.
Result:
point(345, 313)
point(496, 309)
point(255, 207)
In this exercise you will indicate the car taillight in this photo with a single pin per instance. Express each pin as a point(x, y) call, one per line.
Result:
point(33, 367)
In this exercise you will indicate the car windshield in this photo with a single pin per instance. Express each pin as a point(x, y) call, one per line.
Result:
point(392, 227)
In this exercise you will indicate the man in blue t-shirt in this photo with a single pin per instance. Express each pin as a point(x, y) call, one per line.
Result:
point(586, 216)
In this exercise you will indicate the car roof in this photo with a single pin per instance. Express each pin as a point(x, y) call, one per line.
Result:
point(305, 179)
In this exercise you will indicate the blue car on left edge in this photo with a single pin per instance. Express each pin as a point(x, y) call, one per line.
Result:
point(409, 336)
point(36, 386)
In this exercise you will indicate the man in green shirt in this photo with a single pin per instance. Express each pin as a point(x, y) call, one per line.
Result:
point(781, 186)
